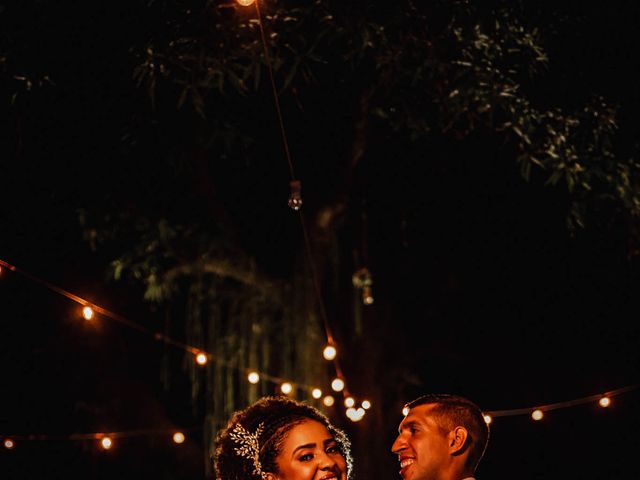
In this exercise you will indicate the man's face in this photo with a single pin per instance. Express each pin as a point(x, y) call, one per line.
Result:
point(421, 445)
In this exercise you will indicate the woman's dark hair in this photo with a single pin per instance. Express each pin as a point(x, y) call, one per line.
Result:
point(271, 418)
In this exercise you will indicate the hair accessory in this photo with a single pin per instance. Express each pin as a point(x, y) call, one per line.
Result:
point(249, 447)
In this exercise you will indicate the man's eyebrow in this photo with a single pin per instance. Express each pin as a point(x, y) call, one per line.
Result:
point(405, 425)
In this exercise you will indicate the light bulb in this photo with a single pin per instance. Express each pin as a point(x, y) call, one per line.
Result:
point(329, 352)
point(253, 377)
point(295, 198)
point(349, 402)
point(604, 402)
point(487, 419)
point(537, 414)
point(178, 437)
point(246, 3)
point(328, 400)
point(405, 411)
point(366, 404)
point(106, 443)
point(8, 443)
point(201, 359)
point(286, 388)
point(87, 313)
point(316, 393)
point(337, 384)
point(367, 296)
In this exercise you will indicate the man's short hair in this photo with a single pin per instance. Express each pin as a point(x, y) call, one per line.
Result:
point(451, 411)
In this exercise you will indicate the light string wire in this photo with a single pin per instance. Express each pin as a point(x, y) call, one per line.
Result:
point(140, 328)
point(267, 59)
point(147, 432)
point(99, 435)
point(565, 404)
point(307, 243)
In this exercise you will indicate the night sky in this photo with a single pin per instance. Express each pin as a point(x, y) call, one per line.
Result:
point(480, 289)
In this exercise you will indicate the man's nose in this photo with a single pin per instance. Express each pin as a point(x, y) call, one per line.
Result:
point(398, 445)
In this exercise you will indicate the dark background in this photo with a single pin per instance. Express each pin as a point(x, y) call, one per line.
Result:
point(480, 289)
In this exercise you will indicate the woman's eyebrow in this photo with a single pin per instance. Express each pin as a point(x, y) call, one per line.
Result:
point(306, 445)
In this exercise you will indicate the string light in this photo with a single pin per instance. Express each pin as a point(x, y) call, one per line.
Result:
point(329, 352)
point(355, 415)
point(537, 414)
point(295, 197)
point(604, 400)
point(286, 388)
point(328, 400)
point(178, 437)
point(405, 411)
point(87, 312)
point(253, 377)
point(200, 356)
point(201, 359)
point(487, 419)
point(246, 3)
point(367, 296)
point(366, 404)
point(362, 279)
point(337, 384)
point(106, 443)
point(349, 402)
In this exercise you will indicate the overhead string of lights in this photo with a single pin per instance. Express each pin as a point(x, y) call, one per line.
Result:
point(88, 310)
point(295, 202)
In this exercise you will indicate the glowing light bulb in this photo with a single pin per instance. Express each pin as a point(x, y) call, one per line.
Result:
point(201, 359)
point(246, 3)
point(106, 443)
point(8, 443)
point(316, 393)
point(367, 296)
point(366, 404)
point(337, 384)
point(328, 400)
point(286, 388)
point(178, 437)
point(355, 415)
point(604, 401)
point(405, 411)
point(537, 414)
point(487, 419)
point(329, 352)
point(253, 377)
point(87, 313)
point(295, 198)
point(349, 402)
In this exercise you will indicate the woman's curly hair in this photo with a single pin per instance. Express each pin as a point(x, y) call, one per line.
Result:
point(271, 418)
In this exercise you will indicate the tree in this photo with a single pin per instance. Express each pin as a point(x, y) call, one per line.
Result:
point(203, 165)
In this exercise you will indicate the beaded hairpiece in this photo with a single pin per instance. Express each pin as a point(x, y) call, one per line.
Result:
point(249, 447)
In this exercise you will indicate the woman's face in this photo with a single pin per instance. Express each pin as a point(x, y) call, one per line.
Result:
point(309, 452)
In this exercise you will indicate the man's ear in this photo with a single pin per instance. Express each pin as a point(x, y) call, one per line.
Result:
point(457, 440)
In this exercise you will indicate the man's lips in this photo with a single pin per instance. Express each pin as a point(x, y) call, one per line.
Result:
point(405, 462)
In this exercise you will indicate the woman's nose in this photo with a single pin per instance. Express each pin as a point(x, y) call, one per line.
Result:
point(326, 461)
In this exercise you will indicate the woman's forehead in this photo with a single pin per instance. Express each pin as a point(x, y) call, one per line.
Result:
point(306, 432)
